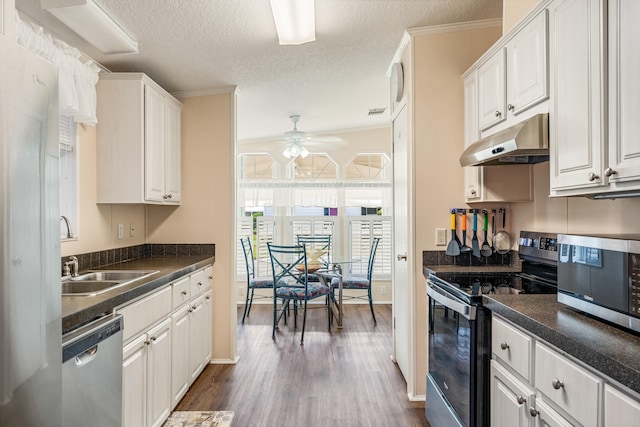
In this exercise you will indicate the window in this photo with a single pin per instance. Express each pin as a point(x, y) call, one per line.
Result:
point(314, 166)
point(68, 177)
point(368, 167)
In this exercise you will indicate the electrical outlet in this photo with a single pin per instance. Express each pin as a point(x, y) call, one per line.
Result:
point(383, 290)
point(132, 230)
point(120, 231)
point(441, 236)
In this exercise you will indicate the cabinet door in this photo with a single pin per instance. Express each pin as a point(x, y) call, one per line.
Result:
point(545, 416)
point(620, 409)
point(172, 152)
point(492, 91)
point(207, 329)
point(510, 399)
point(134, 382)
point(575, 119)
point(624, 91)
point(527, 71)
point(196, 332)
point(180, 378)
point(154, 144)
point(159, 374)
point(472, 174)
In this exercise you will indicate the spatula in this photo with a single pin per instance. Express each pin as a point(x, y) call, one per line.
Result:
point(475, 246)
point(485, 250)
point(464, 248)
point(453, 248)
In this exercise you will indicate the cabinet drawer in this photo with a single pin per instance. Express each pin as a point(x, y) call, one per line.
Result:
point(570, 386)
point(144, 313)
point(208, 277)
point(620, 408)
point(198, 284)
point(512, 347)
point(181, 292)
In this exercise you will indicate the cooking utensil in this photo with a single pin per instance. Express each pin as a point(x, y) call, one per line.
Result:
point(475, 246)
point(453, 248)
point(464, 248)
point(502, 240)
point(485, 250)
point(493, 230)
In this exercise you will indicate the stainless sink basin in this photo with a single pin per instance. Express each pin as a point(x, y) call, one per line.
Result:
point(117, 275)
point(96, 282)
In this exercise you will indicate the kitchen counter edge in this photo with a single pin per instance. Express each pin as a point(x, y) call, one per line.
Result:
point(605, 348)
point(77, 311)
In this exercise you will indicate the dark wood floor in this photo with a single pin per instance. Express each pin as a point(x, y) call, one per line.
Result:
point(342, 378)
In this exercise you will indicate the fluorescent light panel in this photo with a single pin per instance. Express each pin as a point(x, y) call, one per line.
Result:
point(93, 24)
point(295, 21)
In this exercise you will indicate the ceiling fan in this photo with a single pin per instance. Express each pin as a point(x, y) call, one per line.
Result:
point(296, 138)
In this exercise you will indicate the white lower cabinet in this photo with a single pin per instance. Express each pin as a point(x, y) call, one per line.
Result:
point(167, 346)
point(511, 399)
point(561, 392)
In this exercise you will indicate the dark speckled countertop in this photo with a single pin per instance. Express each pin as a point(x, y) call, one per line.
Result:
point(608, 349)
point(82, 309)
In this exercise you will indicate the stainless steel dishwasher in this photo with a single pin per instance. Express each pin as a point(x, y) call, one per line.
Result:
point(92, 374)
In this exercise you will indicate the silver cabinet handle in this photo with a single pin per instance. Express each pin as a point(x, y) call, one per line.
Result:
point(533, 412)
point(199, 283)
point(592, 177)
point(557, 384)
point(207, 297)
point(184, 292)
point(210, 277)
point(498, 113)
point(169, 196)
point(504, 345)
point(511, 107)
point(401, 257)
point(521, 400)
point(608, 172)
point(473, 192)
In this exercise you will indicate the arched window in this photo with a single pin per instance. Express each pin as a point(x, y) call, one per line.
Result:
point(314, 166)
point(369, 167)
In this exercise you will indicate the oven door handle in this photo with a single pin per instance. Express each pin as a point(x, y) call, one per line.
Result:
point(465, 310)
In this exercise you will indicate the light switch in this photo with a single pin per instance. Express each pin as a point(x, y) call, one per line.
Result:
point(441, 236)
point(132, 230)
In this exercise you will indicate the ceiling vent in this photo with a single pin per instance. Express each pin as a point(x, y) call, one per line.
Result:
point(375, 111)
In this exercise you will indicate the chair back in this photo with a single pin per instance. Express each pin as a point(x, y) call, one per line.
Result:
point(248, 256)
point(288, 264)
point(372, 257)
point(319, 242)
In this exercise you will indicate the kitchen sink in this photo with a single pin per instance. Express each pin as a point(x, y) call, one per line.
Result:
point(108, 275)
point(96, 282)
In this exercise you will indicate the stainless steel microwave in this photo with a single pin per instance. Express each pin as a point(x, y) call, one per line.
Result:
point(600, 275)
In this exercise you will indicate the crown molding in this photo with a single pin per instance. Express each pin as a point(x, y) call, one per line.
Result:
point(204, 92)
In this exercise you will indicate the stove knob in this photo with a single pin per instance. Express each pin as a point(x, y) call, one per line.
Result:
point(521, 241)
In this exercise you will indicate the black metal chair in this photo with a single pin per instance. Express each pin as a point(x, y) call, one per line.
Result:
point(253, 282)
point(360, 283)
point(289, 266)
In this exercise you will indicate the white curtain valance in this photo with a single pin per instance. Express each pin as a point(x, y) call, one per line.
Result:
point(76, 79)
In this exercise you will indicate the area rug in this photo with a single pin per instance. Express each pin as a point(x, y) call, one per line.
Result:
point(199, 419)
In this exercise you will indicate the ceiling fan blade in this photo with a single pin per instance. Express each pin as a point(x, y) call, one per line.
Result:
point(326, 139)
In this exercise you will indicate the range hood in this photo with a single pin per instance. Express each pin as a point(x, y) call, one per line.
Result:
point(523, 143)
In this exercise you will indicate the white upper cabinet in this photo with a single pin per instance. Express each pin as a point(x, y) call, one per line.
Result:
point(472, 175)
point(623, 167)
point(138, 141)
point(515, 77)
point(576, 130)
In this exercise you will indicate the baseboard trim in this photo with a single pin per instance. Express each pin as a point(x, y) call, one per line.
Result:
point(417, 397)
point(224, 361)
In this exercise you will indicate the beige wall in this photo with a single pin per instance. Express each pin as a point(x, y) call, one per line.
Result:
point(514, 10)
point(97, 224)
point(206, 213)
point(439, 62)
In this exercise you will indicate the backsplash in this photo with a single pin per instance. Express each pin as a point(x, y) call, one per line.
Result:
point(435, 258)
point(92, 260)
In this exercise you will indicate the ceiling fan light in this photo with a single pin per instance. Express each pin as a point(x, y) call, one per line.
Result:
point(295, 21)
point(286, 152)
point(304, 152)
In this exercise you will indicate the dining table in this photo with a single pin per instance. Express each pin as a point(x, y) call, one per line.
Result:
point(334, 269)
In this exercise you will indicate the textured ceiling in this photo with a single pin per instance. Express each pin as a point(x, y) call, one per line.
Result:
point(204, 45)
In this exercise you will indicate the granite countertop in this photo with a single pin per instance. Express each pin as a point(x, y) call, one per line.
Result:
point(78, 310)
point(606, 348)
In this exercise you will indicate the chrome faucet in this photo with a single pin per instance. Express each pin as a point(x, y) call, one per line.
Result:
point(66, 221)
point(71, 267)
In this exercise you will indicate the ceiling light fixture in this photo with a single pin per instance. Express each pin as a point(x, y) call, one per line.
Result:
point(294, 149)
point(93, 24)
point(295, 21)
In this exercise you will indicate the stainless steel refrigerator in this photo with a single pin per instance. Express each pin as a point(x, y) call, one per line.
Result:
point(30, 298)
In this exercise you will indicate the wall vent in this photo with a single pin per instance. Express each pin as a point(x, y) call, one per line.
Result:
point(374, 111)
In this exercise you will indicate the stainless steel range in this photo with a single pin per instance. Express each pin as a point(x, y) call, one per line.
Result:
point(460, 330)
